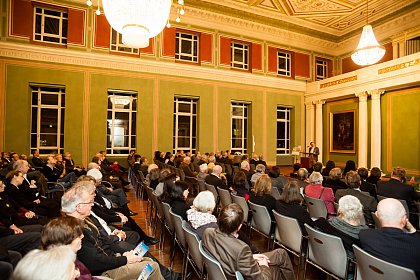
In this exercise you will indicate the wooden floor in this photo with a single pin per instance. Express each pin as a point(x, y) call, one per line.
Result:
point(139, 206)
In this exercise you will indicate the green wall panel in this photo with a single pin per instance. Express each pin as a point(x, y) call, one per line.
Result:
point(18, 106)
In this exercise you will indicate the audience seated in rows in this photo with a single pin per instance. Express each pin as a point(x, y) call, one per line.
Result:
point(334, 180)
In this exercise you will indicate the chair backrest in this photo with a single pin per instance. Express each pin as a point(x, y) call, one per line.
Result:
point(201, 185)
point(241, 202)
point(214, 269)
point(275, 193)
point(168, 218)
point(213, 191)
point(316, 207)
point(372, 268)
point(288, 232)
point(193, 241)
point(239, 276)
point(327, 251)
point(177, 223)
point(156, 203)
point(260, 218)
point(225, 198)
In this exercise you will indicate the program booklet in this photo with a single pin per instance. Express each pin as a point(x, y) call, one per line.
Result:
point(141, 249)
point(145, 273)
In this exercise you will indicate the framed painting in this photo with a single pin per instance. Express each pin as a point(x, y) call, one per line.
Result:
point(342, 132)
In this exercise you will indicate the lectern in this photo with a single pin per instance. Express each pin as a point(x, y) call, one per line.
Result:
point(305, 160)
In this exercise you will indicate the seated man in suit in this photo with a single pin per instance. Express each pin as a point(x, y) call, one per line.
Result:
point(365, 186)
point(186, 167)
point(391, 243)
point(54, 175)
point(216, 178)
point(235, 255)
point(369, 203)
point(36, 161)
point(396, 188)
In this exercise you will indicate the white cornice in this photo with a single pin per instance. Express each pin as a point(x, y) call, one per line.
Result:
point(115, 62)
point(397, 73)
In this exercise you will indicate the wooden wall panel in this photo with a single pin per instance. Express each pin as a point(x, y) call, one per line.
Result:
point(256, 53)
point(168, 41)
point(76, 27)
point(102, 32)
point(21, 18)
point(302, 65)
point(330, 68)
point(206, 47)
point(272, 59)
point(225, 50)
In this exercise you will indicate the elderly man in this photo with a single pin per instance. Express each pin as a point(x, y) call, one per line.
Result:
point(100, 254)
point(246, 168)
point(186, 167)
point(216, 178)
point(54, 175)
point(235, 255)
point(204, 172)
point(391, 243)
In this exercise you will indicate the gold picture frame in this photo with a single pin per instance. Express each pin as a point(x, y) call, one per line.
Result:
point(343, 132)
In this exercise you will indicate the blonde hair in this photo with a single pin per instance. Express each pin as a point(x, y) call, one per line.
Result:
point(263, 185)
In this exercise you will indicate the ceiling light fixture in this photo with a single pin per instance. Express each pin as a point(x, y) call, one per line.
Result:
point(138, 20)
point(368, 51)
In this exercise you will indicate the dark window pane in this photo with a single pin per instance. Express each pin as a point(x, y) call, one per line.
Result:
point(194, 127)
point(61, 141)
point(51, 25)
point(64, 29)
point(183, 107)
point(49, 118)
point(38, 24)
point(33, 141)
point(133, 124)
point(49, 99)
point(48, 139)
point(34, 120)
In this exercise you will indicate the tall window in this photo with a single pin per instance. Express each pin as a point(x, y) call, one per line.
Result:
point(186, 47)
point(117, 44)
point(47, 123)
point(239, 116)
point(284, 64)
point(239, 55)
point(283, 131)
point(121, 122)
point(321, 69)
point(185, 124)
point(50, 26)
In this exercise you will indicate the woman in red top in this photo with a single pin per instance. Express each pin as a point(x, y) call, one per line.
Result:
point(316, 190)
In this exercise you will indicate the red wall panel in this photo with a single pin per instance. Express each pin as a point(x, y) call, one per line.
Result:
point(76, 26)
point(330, 67)
point(21, 18)
point(302, 65)
point(150, 48)
point(225, 51)
point(272, 59)
point(102, 31)
point(168, 47)
point(206, 47)
point(256, 53)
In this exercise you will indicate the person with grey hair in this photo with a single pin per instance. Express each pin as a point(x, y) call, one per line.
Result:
point(246, 168)
point(200, 216)
point(334, 181)
point(369, 203)
point(204, 172)
point(259, 170)
point(316, 190)
point(397, 241)
point(56, 263)
point(100, 255)
point(187, 168)
point(216, 178)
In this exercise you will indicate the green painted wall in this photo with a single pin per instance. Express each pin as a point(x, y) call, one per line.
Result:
point(336, 107)
point(18, 104)
point(401, 130)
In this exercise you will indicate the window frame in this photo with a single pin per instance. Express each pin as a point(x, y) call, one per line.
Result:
point(288, 58)
point(324, 64)
point(116, 47)
point(193, 138)
point(63, 40)
point(287, 127)
point(246, 55)
point(195, 43)
point(132, 138)
point(245, 115)
point(60, 92)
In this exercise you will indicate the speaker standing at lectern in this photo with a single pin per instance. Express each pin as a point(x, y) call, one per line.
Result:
point(313, 151)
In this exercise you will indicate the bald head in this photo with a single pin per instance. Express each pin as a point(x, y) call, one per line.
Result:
point(391, 213)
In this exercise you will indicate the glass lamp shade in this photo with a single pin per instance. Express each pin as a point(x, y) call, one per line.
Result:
point(137, 20)
point(368, 51)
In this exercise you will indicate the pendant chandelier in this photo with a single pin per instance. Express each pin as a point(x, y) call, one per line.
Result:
point(368, 51)
point(138, 20)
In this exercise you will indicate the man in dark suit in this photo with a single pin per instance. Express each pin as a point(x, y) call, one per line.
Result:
point(396, 188)
point(36, 161)
point(246, 168)
point(369, 203)
point(313, 151)
point(186, 167)
point(365, 186)
point(53, 174)
point(216, 178)
point(235, 255)
point(391, 243)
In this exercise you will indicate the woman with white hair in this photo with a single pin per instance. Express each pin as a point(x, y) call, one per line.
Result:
point(316, 190)
point(201, 215)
